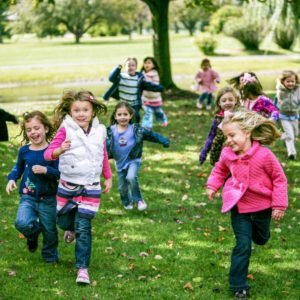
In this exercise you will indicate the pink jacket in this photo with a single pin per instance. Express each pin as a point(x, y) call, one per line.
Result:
point(256, 181)
point(206, 81)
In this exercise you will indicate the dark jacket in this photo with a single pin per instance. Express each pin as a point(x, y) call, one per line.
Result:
point(140, 134)
point(5, 117)
point(115, 77)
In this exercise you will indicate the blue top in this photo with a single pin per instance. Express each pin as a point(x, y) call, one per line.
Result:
point(123, 144)
point(36, 185)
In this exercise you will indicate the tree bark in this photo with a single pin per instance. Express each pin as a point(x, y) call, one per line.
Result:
point(160, 10)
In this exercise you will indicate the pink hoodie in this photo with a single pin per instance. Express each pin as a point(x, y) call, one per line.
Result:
point(256, 181)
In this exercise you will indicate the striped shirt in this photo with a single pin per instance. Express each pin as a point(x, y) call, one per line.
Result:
point(150, 98)
point(128, 89)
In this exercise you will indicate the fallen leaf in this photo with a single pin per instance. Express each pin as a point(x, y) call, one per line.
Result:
point(21, 236)
point(170, 244)
point(144, 254)
point(94, 283)
point(250, 277)
point(197, 279)
point(184, 197)
point(277, 230)
point(158, 257)
point(221, 228)
point(131, 266)
point(142, 277)
point(12, 273)
point(188, 286)
point(201, 175)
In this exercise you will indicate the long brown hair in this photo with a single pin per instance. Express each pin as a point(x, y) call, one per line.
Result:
point(121, 105)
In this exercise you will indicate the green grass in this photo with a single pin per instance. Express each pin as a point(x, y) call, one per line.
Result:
point(190, 234)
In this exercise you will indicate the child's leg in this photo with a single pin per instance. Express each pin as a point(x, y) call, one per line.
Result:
point(240, 258)
point(132, 179)
point(288, 136)
point(27, 218)
point(261, 226)
point(137, 117)
point(160, 115)
point(148, 117)
point(47, 216)
point(123, 187)
point(83, 246)
point(202, 97)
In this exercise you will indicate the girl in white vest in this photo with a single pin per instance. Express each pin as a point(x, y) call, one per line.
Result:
point(80, 145)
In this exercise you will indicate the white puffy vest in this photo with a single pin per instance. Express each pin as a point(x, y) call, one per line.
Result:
point(82, 164)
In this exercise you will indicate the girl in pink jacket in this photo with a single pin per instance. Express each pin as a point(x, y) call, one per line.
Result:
point(206, 84)
point(255, 188)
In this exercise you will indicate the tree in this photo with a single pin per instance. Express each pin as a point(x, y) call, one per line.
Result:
point(4, 6)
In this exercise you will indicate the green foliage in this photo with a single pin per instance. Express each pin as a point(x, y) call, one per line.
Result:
point(206, 43)
point(223, 15)
point(248, 33)
point(285, 36)
point(105, 29)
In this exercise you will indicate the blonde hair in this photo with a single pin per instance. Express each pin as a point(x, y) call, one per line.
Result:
point(130, 59)
point(286, 74)
point(262, 130)
point(223, 91)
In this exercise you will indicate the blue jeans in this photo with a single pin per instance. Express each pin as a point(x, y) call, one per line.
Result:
point(82, 226)
point(247, 228)
point(128, 184)
point(205, 95)
point(137, 117)
point(148, 116)
point(39, 216)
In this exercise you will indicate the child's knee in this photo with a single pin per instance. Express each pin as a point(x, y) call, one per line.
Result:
point(23, 226)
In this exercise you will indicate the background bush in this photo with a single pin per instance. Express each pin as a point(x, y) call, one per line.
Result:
point(206, 43)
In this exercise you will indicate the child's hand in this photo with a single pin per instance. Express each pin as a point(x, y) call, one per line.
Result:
point(37, 169)
point(211, 194)
point(66, 145)
point(277, 214)
point(107, 185)
point(11, 185)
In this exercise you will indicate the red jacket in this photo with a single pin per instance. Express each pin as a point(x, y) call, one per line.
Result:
point(256, 181)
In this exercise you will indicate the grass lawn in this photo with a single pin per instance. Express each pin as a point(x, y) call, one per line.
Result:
point(178, 249)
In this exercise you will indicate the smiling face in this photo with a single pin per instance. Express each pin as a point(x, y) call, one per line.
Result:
point(36, 133)
point(227, 101)
point(123, 117)
point(130, 67)
point(238, 140)
point(148, 65)
point(289, 82)
point(82, 113)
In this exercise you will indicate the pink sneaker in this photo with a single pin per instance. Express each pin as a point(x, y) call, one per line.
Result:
point(141, 205)
point(83, 276)
point(69, 236)
point(164, 124)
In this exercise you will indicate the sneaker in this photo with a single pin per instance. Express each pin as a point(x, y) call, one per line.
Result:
point(199, 105)
point(128, 207)
point(292, 157)
point(164, 124)
point(141, 205)
point(32, 245)
point(208, 107)
point(83, 276)
point(69, 236)
point(241, 294)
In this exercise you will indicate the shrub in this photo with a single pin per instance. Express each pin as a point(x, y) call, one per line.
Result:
point(284, 36)
point(206, 43)
point(249, 34)
point(221, 16)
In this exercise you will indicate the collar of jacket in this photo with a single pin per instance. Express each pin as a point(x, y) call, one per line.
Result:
point(233, 156)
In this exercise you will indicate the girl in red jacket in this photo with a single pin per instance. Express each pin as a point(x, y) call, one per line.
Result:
point(255, 188)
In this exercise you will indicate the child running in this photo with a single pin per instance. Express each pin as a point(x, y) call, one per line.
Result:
point(255, 188)
point(288, 95)
point(206, 84)
point(125, 145)
point(254, 99)
point(80, 145)
point(152, 101)
point(128, 86)
point(37, 209)
point(227, 101)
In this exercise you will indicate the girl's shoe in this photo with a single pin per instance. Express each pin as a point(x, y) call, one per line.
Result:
point(199, 105)
point(128, 207)
point(69, 236)
point(241, 294)
point(32, 244)
point(141, 205)
point(164, 124)
point(83, 276)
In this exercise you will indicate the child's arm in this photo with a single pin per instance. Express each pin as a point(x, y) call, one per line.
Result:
point(16, 173)
point(106, 171)
point(217, 76)
point(51, 172)
point(150, 86)
point(208, 143)
point(58, 145)
point(9, 117)
point(154, 137)
point(115, 73)
point(271, 109)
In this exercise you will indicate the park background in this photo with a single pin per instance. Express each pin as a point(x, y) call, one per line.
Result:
point(180, 247)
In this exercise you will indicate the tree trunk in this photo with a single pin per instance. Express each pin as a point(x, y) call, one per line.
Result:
point(1, 35)
point(159, 10)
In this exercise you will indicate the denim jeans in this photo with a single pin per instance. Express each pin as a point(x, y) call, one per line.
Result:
point(205, 95)
point(82, 226)
point(39, 216)
point(148, 116)
point(247, 228)
point(137, 117)
point(128, 184)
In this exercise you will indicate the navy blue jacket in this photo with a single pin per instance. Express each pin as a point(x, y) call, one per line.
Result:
point(140, 134)
point(115, 77)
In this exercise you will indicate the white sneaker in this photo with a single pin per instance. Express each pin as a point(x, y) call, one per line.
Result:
point(208, 107)
point(129, 206)
point(199, 105)
point(141, 205)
